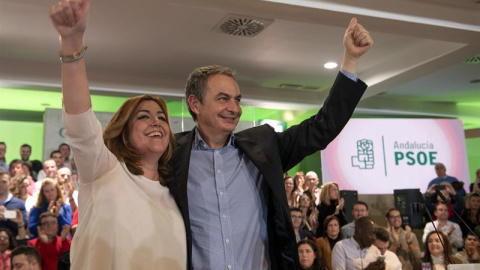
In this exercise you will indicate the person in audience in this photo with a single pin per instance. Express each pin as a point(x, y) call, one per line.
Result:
point(471, 249)
point(475, 186)
point(123, 174)
point(19, 189)
point(298, 222)
point(331, 235)
point(330, 204)
point(311, 181)
point(358, 252)
point(25, 258)
point(49, 171)
point(308, 255)
point(69, 188)
point(49, 244)
point(73, 229)
point(15, 167)
point(64, 149)
point(436, 257)
point(449, 228)
point(57, 156)
point(453, 200)
point(442, 176)
point(50, 199)
point(382, 239)
point(3, 161)
point(7, 244)
point(290, 191)
point(8, 203)
point(471, 216)
point(309, 211)
point(403, 243)
point(35, 165)
point(299, 180)
point(360, 209)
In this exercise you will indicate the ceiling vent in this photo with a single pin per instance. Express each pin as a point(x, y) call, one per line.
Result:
point(239, 25)
point(473, 60)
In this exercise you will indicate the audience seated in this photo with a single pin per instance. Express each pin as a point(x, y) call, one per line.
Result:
point(475, 186)
point(299, 180)
point(331, 235)
point(65, 151)
point(19, 189)
point(49, 170)
point(3, 161)
point(360, 209)
point(34, 165)
point(298, 222)
point(358, 252)
point(471, 249)
point(69, 187)
point(471, 216)
point(308, 256)
point(49, 244)
point(7, 244)
point(311, 182)
point(436, 257)
point(8, 202)
point(454, 201)
point(15, 167)
point(330, 204)
point(450, 229)
point(403, 243)
point(310, 213)
point(290, 191)
point(25, 258)
point(50, 199)
point(382, 242)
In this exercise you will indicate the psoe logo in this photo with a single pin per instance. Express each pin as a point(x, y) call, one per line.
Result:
point(364, 158)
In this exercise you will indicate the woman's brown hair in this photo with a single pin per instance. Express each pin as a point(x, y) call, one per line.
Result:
point(41, 197)
point(116, 134)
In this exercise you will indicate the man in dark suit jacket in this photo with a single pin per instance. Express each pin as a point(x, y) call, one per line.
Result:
point(229, 187)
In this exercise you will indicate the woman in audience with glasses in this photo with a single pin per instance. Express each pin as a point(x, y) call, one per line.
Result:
point(19, 189)
point(436, 257)
point(50, 199)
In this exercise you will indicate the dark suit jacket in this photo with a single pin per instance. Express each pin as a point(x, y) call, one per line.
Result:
point(275, 153)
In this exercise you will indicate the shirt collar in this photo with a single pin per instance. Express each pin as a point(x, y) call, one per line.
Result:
point(200, 144)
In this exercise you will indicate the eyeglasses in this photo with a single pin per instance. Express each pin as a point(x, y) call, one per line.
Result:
point(395, 217)
point(3, 238)
point(297, 217)
point(49, 223)
point(288, 184)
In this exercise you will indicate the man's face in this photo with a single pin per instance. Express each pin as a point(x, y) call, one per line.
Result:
point(3, 150)
point(25, 153)
point(475, 203)
point(441, 212)
point(58, 159)
point(367, 234)
point(65, 151)
point(49, 226)
point(382, 246)
point(395, 219)
point(64, 175)
point(471, 242)
point(4, 184)
point(312, 181)
point(358, 211)
point(50, 168)
point(440, 170)
point(220, 111)
point(20, 262)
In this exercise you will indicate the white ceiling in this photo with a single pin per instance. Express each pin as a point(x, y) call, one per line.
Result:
point(416, 66)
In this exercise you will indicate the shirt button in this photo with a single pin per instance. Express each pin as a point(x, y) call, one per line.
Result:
point(229, 266)
point(224, 216)
point(221, 193)
point(218, 171)
point(227, 241)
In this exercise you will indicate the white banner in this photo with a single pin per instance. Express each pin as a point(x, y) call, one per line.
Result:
point(376, 156)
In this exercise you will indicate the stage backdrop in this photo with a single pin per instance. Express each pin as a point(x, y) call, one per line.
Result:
point(376, 156)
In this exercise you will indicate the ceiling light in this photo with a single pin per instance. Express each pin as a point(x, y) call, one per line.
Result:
point(330, 65)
